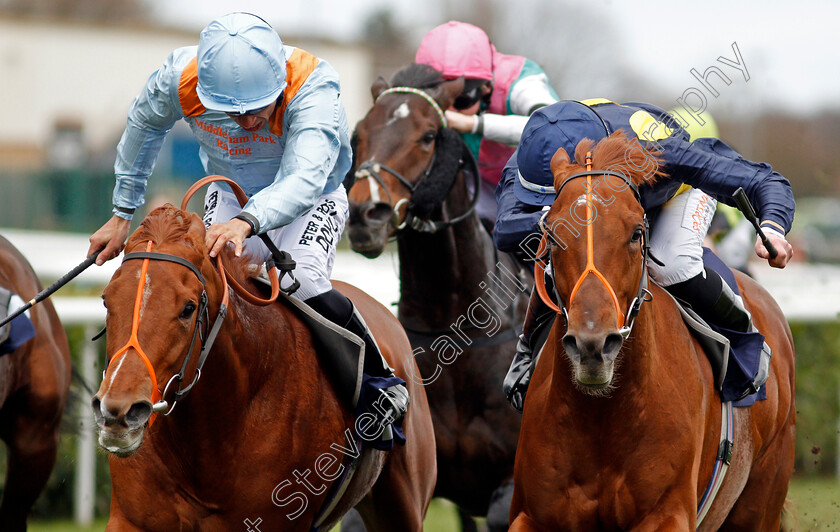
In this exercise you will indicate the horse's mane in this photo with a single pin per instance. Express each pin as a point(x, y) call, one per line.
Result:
point(170, 224)
point(618, 152)
point(417, 75)
point(164, 224)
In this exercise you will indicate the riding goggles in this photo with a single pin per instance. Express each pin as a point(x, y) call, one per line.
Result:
point(471, 95)
point(251, 112)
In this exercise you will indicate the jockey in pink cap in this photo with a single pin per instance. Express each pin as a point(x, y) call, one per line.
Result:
point(500, 92)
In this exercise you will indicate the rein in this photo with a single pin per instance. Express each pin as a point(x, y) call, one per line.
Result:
point(371, 170)
point(158, 399)
point(624, 321)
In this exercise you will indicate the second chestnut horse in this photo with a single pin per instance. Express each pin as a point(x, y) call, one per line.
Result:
point(623, 434)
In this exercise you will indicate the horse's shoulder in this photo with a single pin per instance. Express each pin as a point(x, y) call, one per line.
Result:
point(664, 303)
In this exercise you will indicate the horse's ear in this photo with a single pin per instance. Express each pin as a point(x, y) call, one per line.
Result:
point(197, 229)
point(378, 86)
point(559, 164)
point(448, 91)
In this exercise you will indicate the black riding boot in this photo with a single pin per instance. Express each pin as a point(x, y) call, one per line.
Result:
point(522, 367)
point(334, 306)
point(713, 299)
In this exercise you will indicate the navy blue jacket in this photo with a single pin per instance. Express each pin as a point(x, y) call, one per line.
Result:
point(707, 164)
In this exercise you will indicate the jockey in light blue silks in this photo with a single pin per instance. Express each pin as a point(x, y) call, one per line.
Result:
point(269, 117)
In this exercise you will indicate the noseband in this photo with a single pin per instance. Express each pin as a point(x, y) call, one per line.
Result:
point(371, 170)
point(624, 321)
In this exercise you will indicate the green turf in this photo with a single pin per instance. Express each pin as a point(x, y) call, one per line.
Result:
point(815, 506)
point(65, 526)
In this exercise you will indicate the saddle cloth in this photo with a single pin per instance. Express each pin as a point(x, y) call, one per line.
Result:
point(342, 356)
point(18, 331)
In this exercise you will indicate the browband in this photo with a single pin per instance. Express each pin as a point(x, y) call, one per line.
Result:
point(170, 258)
point(621, 176)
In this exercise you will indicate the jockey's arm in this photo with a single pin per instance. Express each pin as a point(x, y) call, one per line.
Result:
point(715, 168)
point(516, 222)
point(151, 116)
point(527, 94)
point(313, 144)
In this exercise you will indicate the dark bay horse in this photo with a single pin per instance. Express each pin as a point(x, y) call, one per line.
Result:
point(460, 301)
point(262, 435)
point(34, 383)
point(623, 434)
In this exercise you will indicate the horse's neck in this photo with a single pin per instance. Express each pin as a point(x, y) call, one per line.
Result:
point(442, 273)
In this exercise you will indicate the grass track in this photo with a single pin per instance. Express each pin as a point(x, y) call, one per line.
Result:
point(815, 505)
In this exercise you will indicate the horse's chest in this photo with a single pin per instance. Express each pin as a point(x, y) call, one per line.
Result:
point(593, 507)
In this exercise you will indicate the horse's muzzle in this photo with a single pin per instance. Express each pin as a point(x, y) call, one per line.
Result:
point(121, 430)
point(368, 227)
point(593, 357)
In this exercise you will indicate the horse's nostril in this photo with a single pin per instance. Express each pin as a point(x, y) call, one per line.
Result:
point(612, 344)
point(571, 347)
point(139, 414)
point(592, 347)
point(96, 406)
point(378, 213)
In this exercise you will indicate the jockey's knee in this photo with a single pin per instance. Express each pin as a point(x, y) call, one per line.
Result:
point(677, 268)
point(313, 281)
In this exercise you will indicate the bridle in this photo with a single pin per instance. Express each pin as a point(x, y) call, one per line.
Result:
point(206, 334)
point(624, 321)
point(371, 170)
point(202, 319)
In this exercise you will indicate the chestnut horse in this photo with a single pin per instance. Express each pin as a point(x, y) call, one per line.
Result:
point(622, 434)
point(414, 182)
point(34, 383)
point(238, 452)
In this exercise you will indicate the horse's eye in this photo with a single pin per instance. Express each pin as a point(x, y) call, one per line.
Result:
point(428, 137)
point(637, 235)
point(189, 308)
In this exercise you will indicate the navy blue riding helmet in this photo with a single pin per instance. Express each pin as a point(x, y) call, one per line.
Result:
point(562, 125)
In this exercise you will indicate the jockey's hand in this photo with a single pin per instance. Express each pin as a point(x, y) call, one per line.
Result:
point(460, 122)
point(783, 249)
point(235, 231)
point(110, 238)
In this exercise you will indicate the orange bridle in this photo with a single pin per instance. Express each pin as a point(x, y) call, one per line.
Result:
point(158, 398)
point(133, 341)
point(624, 323)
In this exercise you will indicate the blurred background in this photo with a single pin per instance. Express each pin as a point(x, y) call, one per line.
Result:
point(69, 71)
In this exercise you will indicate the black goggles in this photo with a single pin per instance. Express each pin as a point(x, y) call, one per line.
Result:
point(470, 96)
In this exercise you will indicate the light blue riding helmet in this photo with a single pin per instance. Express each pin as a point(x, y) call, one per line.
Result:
point(241, 64)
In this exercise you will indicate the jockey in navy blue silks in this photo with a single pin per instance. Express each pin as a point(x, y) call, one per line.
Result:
point(680, 208)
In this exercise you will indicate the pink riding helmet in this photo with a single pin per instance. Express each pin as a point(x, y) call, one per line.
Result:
point(457, 49)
